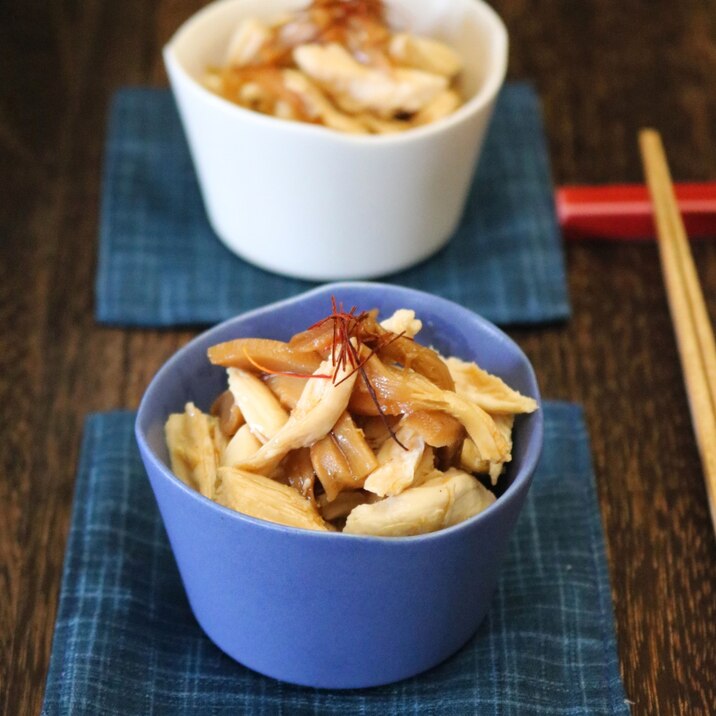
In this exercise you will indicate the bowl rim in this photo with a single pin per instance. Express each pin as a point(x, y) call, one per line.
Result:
point(478, 102)
point(520, 482)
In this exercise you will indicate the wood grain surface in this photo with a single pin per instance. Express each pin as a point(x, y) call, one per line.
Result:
point(603, 69)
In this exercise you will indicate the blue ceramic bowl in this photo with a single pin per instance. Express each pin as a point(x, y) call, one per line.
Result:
point(334, 610)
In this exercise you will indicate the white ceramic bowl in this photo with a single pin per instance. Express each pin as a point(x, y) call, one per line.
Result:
point(313, 203)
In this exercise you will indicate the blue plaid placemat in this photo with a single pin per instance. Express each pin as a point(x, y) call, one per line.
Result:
point(126, 642)
point(160, 263)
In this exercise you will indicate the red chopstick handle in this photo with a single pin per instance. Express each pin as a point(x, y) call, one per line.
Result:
point(624, 211)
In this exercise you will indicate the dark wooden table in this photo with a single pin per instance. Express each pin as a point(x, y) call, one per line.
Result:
point(603, 69)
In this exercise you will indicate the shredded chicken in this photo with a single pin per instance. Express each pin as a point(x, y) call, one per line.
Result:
point(399, 467)
point(442, 501)
point(260, 408)
point(486, 390)
point(403, 321)
point(241, 447)
point(319, 407)
point(247, 42)
point(340, 65)
point(471, 460)
point(357, 88)
point(267, 499)
point(351, 424)
point(318, 107)
point(425, 54)
point(195, 444)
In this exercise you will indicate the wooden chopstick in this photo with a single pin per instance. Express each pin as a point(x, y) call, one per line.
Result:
point(692, 326)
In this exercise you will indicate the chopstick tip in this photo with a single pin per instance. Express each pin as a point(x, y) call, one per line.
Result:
point(649, 136)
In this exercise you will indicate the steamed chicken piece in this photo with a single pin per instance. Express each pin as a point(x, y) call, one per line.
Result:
point(471, 460)
point(444, 104)
point(486, 390)
point(399, 468)
point(442, 501)
point(259, 496)
point(321, 404)
point(318, 107)
point(246, 43)
point(358, 88)
point(261, 409)
point(493, 395)
point(406, 391)
point(241, 447)
point(195, 445)
point(479, 425)
point(403, 321)
point(423, 53)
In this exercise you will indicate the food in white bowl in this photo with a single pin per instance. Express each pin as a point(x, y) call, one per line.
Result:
point(351, 425)
point(297, 199)
point(339, 64)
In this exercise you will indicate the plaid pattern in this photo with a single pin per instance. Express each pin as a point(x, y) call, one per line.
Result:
point(126, 642)
point(160, 264)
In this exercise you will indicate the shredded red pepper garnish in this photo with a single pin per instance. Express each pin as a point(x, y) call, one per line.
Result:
point(347, 329)
point(347, 326)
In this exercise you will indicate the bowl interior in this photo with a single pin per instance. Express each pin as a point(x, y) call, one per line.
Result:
point(451, 329)
point(469, 26)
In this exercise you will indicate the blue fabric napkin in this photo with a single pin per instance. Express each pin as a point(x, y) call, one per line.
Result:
point(160, 263)
point(126, 642)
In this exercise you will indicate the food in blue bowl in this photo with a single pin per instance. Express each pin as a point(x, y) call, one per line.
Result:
point(343, 531)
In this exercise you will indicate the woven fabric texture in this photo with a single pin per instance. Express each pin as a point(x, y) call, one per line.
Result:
point(160, 264)
point(126, 642)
